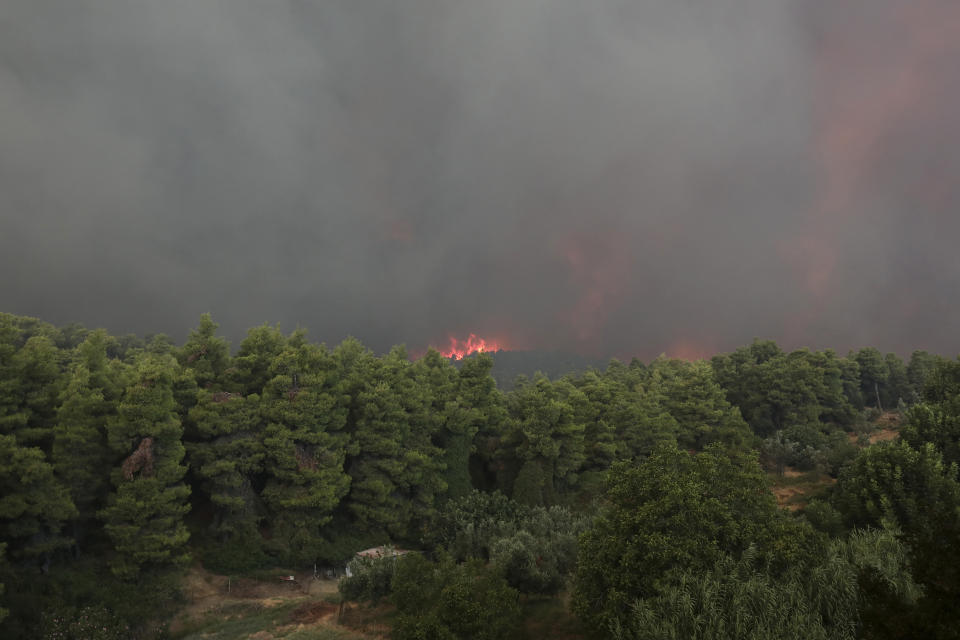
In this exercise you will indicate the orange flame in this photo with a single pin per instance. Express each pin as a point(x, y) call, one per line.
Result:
point(460, 348)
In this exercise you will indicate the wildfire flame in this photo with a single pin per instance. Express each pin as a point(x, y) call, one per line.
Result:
point(460, 348)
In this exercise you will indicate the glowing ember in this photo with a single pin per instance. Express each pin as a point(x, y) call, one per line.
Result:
point(460, 348)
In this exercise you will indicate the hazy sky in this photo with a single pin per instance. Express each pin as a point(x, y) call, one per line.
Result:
point(613, 177)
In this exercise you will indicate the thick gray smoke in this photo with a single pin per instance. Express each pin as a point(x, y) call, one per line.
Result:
point(609, 177)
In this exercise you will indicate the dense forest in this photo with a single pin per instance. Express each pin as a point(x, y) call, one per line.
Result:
point(641, 490)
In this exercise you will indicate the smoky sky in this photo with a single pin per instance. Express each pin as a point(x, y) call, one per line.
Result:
point(615, 177)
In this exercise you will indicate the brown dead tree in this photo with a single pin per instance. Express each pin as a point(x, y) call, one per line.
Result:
point(140, 460)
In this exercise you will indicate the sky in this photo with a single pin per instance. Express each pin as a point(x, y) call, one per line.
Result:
point(612, 178)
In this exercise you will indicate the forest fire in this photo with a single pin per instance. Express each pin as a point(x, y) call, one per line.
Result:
point(460, 348)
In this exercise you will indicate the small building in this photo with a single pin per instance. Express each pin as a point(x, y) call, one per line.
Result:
point(375, 553)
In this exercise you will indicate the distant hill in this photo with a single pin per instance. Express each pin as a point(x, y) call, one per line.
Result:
point(507, 365)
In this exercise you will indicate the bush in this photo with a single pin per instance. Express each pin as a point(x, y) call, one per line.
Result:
point(238, 555)
point(447, 600)
point(538, 558)
point(467, 527)
point(535, 548)
point(839, 452)
point(371, 580)
point(525, 569)
point(87, 623)
point(824, 517)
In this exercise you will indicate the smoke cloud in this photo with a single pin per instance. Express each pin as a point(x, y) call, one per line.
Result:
point(612, 177)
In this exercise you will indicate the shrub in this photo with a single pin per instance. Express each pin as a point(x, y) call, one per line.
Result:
point(447, 600)
point(86, 623)
point(371, 580)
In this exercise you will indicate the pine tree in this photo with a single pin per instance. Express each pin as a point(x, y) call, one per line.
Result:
point(144, 517)
point(304, 446)
point(689, 393)
point(600, 395)
point(206, 355)
point(479, 395)
point(452, 422)
point(396, 468)
point(90, 400)
point(33, 505)
point(30, 380)
point(544, 441)
point(377, 464)
point(250, 370)
point(226, 457)
point(3, 550)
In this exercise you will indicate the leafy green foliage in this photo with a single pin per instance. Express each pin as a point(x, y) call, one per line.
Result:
point(913, 492)
point(691, 395)
point(823, 516)
point(33, 505)
point(808, 448)
point(293, 454)
point(371, 580)
point(542, 553)
point(776, 390)
point(937, 419)
point(452, 601)
point(543, 441)
point(3, 551)
point(30, 380)
point(467, 527)
point(921, 365)
point(88, 623)
point(737, 598)
point(734, 600)
point(534, 548)
point(873, 374)
point(677, 512)
point(622, 419)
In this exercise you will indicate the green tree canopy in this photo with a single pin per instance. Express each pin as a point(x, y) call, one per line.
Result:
point(204, 354)
point(89, 402)
point(739, 599)
point(543, 441)
point(689, 392)
point(915, 493)
point(937, 419)
point(34, 506)
point(447, 601)
point(673, 513)
point(144, 515)
point(304, 444)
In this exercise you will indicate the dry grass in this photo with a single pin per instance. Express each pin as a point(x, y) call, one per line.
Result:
point(794, 489)
point(268, 609)
point(263, 608)
point(885, 428)
point(372, 622)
